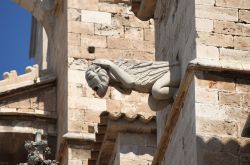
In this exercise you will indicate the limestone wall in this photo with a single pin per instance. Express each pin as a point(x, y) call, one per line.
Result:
point(110, 31)
point(223, 29)
point(222, 99)
point(222, 117)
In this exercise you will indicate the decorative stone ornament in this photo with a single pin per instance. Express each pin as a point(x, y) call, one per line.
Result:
point(37, 151)
point(143, 9)
point(157, 78)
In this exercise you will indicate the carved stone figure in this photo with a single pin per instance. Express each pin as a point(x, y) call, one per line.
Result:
point(157, 78)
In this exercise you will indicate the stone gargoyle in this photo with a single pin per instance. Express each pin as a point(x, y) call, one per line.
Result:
point(158, 78)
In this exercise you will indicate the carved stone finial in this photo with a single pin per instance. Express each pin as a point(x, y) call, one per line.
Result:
point(37, 151)
point(127, 75)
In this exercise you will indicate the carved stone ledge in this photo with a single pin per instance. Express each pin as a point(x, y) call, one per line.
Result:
point(143, 9)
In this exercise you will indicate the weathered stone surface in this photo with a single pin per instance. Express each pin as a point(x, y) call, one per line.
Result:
point(204, 25)
point(81, 27)
point(134, 33)
point(242, 43)
point(242, 4)
point(215, 39)
point(208, 52)
point(116, 43)
point(232, 28)
point(217, 13)
point(244, 15)
point(96, 17)
point(234, 55)
point(230, 99)
point(83, 4)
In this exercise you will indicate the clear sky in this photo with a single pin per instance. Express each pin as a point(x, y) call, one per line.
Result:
point(15, 27)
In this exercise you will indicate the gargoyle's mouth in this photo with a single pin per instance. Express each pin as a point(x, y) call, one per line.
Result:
point(95, 88)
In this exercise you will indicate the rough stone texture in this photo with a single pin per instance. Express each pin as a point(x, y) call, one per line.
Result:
point(102, 30)
point(221, 123)
point(136, 149)
point(221, 101)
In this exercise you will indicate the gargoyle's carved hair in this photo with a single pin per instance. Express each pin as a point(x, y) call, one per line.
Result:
point(93, 70)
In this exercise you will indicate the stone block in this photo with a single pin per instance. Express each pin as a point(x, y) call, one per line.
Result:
point(215, 82)
point(96, 17)
point(217, 13)
point(134, 33)
point(230, 99)
point(76, 126)
point(109, 30)
point(231, 28)
point(131, 21)
point(83, 4)
point(80, 52)
point(74, 39)
point(114, 8)
point(78, 64)
point(244, 16)
point(149, 35)
point(76, 76)
point(234, 55)
point(114, 106)
point(205, 96)
point(210, 111)
point(124, 54)
point(242, 4)
point(246, 100)
point(204, 25)
point(243, 85)
point(120, 43)
point(96, 41)
point(74, 14)
point(8, 110)
point(208, 52)
point(94, 104)
point(205, 2)
point(242, 43)
point(91, 116)
point(81, 27)
point(216, 127)
point(79, 153)
point(76, 115)
point(24, 104)
point(215, 39)
point(76, 89)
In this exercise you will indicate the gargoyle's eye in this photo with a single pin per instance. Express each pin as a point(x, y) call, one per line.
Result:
point(95, 88)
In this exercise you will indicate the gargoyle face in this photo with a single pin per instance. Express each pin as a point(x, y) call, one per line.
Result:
point(97, 82)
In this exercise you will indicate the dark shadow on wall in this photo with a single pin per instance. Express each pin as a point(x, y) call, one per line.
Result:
point(246, 129)
point(12, 150)
point(223, 151)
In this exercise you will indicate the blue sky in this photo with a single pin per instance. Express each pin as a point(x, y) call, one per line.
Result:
point(15, 26)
